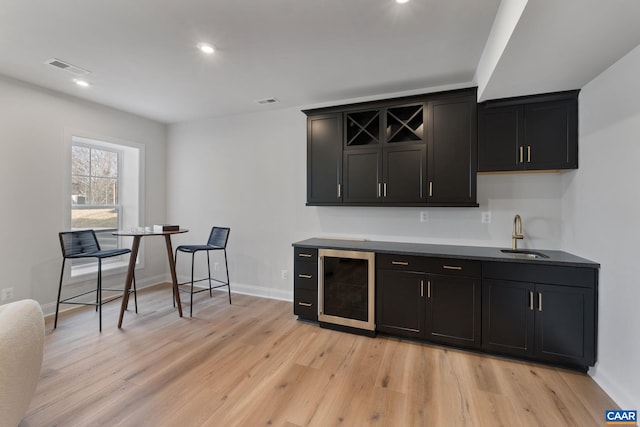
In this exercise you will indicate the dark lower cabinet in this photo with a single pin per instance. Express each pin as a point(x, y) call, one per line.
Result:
point(552, 323)
point(400, 303)
point(417, 304)
point(507, 317)
point(564, 325)
point(305, 283)
point(541, 312)
point(453, 310)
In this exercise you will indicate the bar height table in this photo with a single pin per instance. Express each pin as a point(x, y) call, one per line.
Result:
point(137, 236)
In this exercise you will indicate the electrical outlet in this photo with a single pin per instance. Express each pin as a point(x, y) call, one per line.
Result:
point(216, 266)
point(7, 293)
point(285, 274)
point(424, 216)
point(486, 217)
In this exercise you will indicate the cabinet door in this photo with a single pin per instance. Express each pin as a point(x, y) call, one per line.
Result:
point(499, 138)
point(551, 135)
point(508, 317)
point(362, 180)
point(565, 324)
point(453, 310)
point(400, 303)
point(324, 159)
point(405, 174)
point(453, 151)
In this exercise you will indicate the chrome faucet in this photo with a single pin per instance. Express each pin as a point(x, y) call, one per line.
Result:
point(517, 231)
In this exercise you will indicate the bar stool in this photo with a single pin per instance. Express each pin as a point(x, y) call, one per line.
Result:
point(217, 242)
point(84, 244)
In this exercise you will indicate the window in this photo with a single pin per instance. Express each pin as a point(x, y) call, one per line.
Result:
point(104, 193)
point(94, 188)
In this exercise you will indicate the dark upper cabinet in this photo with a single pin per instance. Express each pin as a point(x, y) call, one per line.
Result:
point(538, 132)
point(324, 159)
point(362, 176)
point(385, 175)
point(404, 177)
point(551, 135)
point(499, 138)
point(412, 151)
point(453, 151)
point(385, 156)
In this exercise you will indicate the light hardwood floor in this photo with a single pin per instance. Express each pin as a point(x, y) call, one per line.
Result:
point(253, 364)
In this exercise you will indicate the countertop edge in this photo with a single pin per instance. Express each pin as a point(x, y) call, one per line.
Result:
point(474, 253)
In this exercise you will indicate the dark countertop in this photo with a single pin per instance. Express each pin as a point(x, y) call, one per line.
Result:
point(478, 253)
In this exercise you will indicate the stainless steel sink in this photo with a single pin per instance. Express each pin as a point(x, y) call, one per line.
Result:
point(523, 253)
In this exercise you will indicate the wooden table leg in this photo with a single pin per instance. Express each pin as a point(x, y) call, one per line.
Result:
point(127, 284)
point(172, 267)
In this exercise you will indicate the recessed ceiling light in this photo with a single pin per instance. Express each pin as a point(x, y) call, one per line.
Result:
point(402, 1)
point(206, 48)
point(82, 83)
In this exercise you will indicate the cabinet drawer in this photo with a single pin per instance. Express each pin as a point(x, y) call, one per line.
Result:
point(559, 275)
point(305, 303)
point(400, 262)
point(305, 254)
point(455, 267)
point(306, 275)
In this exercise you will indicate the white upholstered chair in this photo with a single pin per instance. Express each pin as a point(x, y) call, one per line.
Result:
point(21, 349)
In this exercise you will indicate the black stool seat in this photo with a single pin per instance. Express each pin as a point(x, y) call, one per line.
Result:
point(217, 242)
point(196, 248)
point(103, 253)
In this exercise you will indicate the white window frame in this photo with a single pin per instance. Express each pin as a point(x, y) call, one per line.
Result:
point(79, 265)
point(131, 161)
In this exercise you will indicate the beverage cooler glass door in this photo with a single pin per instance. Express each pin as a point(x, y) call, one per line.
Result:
point(346, 289)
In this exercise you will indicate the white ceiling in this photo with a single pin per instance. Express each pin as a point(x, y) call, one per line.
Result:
point(143, 57)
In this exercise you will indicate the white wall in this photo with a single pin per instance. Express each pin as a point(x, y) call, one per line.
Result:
point(249, 172)
point(33, 124)
point(601, 210)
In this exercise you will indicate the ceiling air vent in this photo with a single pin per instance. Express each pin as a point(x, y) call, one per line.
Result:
point(62, 65)
point(268, 101)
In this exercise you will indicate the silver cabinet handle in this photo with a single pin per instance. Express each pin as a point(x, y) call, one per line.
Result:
point(303, 255)
point(421, 288)
point(428, 288)
point(528, 154)
point(399, 263)
point(305, 304)
point(430, 188)
point(305, 276)
point(379, 190)
point(385, 189)
point(539, 301)
point(452, 267)
point(531, 300)
point(339, 190)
